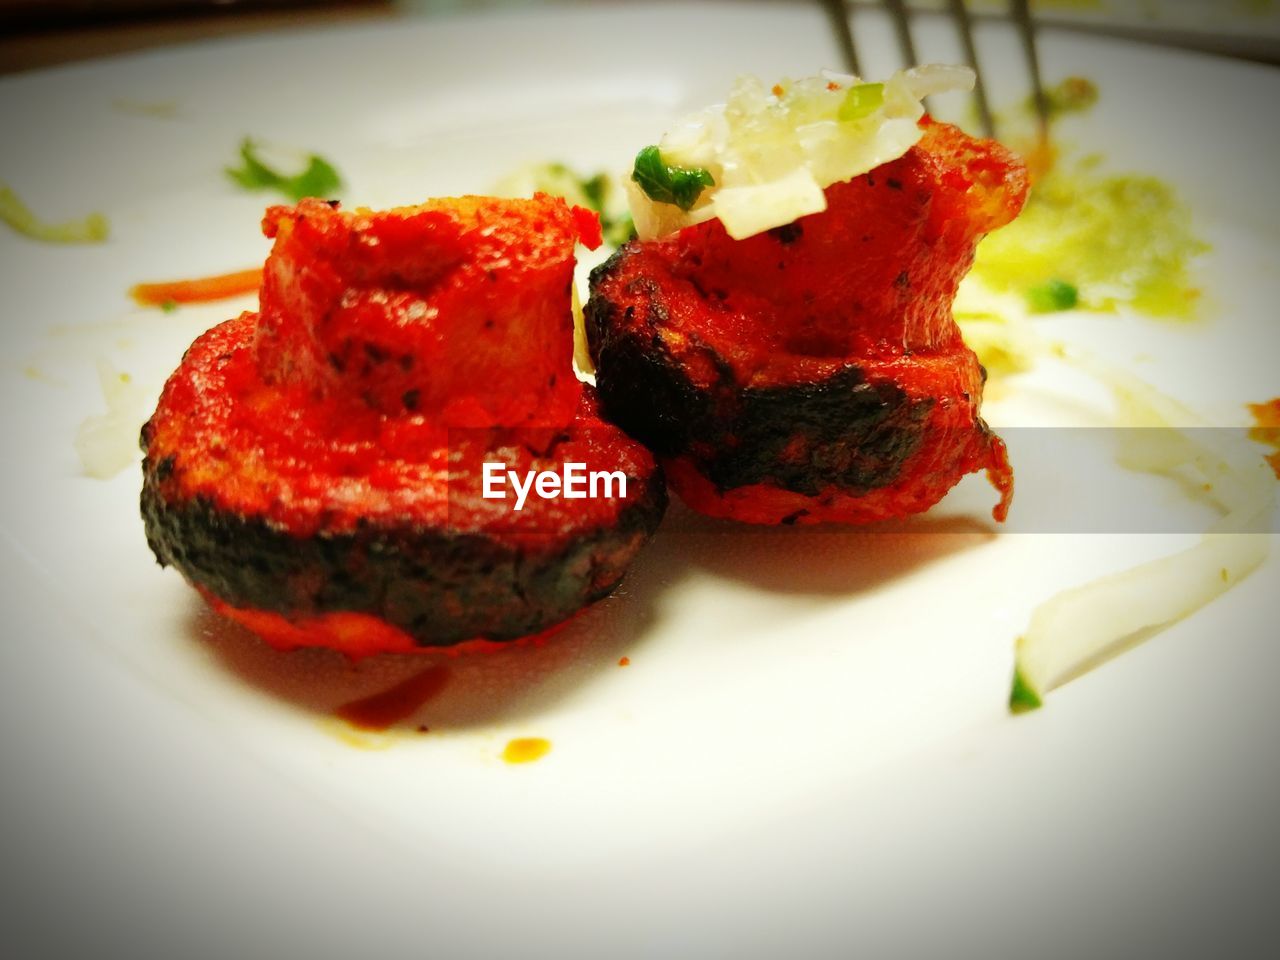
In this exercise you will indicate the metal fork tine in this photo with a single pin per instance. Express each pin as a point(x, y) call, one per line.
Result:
point(838, 11)
point(961, 15)
point(1022, 17)
point(903, 27)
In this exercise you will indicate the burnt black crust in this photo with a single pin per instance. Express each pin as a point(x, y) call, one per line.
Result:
point(787, 234)
point(840, 432)
point(440, 587)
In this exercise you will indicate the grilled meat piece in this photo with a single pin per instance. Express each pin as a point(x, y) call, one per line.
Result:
point(424, 309)
point(318, 514)
point(813, 372)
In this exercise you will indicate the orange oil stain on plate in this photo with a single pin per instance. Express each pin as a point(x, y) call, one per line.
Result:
point(1266, 422)
point(526, 749)
point(351, 736)
point(1266, 429)
point(1266, 414)
point(384, 710)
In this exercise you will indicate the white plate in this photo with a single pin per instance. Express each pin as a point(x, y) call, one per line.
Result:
point(810, 752)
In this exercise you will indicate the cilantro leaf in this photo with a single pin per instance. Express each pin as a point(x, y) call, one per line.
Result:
point(667, 184)
point(595, 190)
point(1052, 296)
point(618, 230)
point(319, 179)
point(1022, 697)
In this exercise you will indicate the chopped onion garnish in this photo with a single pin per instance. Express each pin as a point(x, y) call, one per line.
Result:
point(770, 153)
point(932, 78)
point(1075, 630)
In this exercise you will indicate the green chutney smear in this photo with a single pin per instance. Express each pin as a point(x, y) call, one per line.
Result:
point(1097, 241)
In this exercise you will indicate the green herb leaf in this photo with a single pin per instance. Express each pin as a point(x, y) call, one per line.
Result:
point(861, 101)
point(91, 229)
point(1052, 296)
point(667, 184)
point(1022, 698)
point(595, 190)
point(1072, 95)
point(618, 231)
point(319, 179)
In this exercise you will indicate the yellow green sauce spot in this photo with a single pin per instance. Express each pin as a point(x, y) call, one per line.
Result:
point(1071, 95)
point(1097, 241)
point(90, 229)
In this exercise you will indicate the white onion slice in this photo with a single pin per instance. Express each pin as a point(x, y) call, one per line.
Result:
point(1075, 630)
point(108, 443)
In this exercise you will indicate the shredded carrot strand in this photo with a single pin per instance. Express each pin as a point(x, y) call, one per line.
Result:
point(197, 291)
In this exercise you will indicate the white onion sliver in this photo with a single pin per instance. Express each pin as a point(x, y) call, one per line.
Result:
point(1074, 630)
point(108, 443)
point(934, 78)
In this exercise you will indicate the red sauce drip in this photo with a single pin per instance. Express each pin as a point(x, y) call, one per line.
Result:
point(1000, 473)
point(624, 662)
point(385, 709)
